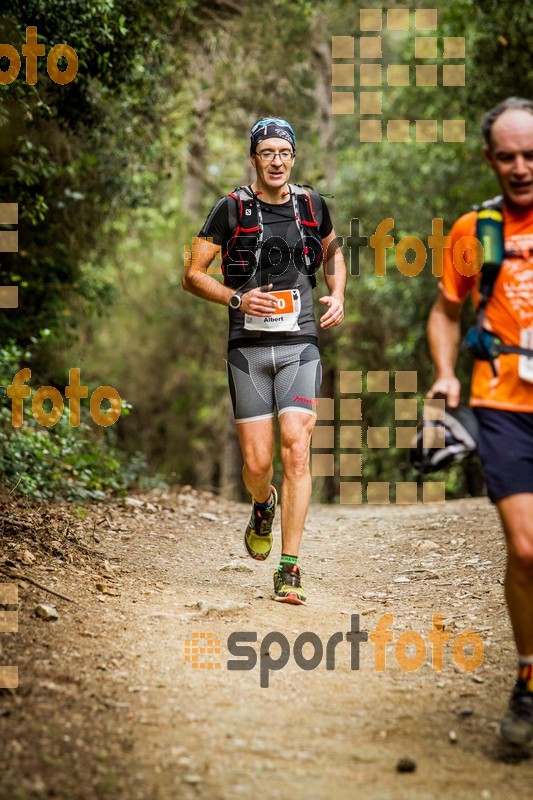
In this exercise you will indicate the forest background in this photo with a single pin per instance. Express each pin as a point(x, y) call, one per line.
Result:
point(115, 172)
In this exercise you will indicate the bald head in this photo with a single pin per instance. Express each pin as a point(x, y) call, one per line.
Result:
point(509, 151)
point(510, 104)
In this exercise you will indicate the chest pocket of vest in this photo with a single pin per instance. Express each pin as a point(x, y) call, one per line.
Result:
point(239, 261)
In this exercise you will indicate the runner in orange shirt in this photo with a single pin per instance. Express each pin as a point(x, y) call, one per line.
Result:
point(502, 394)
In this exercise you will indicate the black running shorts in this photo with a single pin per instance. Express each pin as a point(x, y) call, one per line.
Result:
point(505, 447)
point(282, 376)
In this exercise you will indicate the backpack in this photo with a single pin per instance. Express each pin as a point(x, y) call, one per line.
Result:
point(243, 252)
point(483, 344)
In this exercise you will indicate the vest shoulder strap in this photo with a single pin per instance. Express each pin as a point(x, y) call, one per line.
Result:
point(484, 344)
point(305, 190)
point(301, 188)
point(243, 195)
point(236, 199)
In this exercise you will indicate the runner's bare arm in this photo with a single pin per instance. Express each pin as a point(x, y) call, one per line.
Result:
point(444, 333)
point(196, 280)
point(335, 276)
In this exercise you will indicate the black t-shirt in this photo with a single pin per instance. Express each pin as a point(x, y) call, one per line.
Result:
point(282, 264)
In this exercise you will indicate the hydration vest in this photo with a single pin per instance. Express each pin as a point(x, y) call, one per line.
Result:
point(483, 344)
point(242, 256)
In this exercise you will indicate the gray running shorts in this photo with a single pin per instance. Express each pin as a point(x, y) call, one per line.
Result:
point(286, 376)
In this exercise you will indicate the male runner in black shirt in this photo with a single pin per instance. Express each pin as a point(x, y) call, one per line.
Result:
point(272, 235)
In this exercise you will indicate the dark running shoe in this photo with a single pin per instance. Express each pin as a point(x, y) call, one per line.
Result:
point(288, 586)
point(258, 534)
point(516, 726)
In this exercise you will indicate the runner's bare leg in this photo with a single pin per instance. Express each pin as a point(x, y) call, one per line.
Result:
point(516, 512)
point(295, 430)
point(257, 447)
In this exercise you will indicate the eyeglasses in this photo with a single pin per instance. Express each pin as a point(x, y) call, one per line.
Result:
point(270, 155)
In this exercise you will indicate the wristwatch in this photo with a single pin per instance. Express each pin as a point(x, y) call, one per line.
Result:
point(235, 301)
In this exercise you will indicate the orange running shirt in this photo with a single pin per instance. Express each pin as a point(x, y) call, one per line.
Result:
point(508, 312)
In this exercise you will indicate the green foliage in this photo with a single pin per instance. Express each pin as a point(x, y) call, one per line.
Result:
point(499, 63)
point(70, 154)
point(79, 464)
point(102, 170)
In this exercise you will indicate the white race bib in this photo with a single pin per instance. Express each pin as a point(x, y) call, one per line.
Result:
point(525, 363)
point(284, 318)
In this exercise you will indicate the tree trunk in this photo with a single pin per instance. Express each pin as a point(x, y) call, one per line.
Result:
point(195, 175)
point(231, 485)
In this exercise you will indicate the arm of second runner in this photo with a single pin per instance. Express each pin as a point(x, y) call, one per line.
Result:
point(444, 334)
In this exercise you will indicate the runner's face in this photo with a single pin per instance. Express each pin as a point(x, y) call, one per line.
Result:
point(511, 156)
point(274, 174)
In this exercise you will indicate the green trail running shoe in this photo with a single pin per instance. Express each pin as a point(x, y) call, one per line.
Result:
point(288, 586)
point(258, 534)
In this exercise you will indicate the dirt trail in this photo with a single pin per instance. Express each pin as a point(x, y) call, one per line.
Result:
point(108, 707)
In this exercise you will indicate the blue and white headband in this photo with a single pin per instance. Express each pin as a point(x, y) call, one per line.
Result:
point(268, 128)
